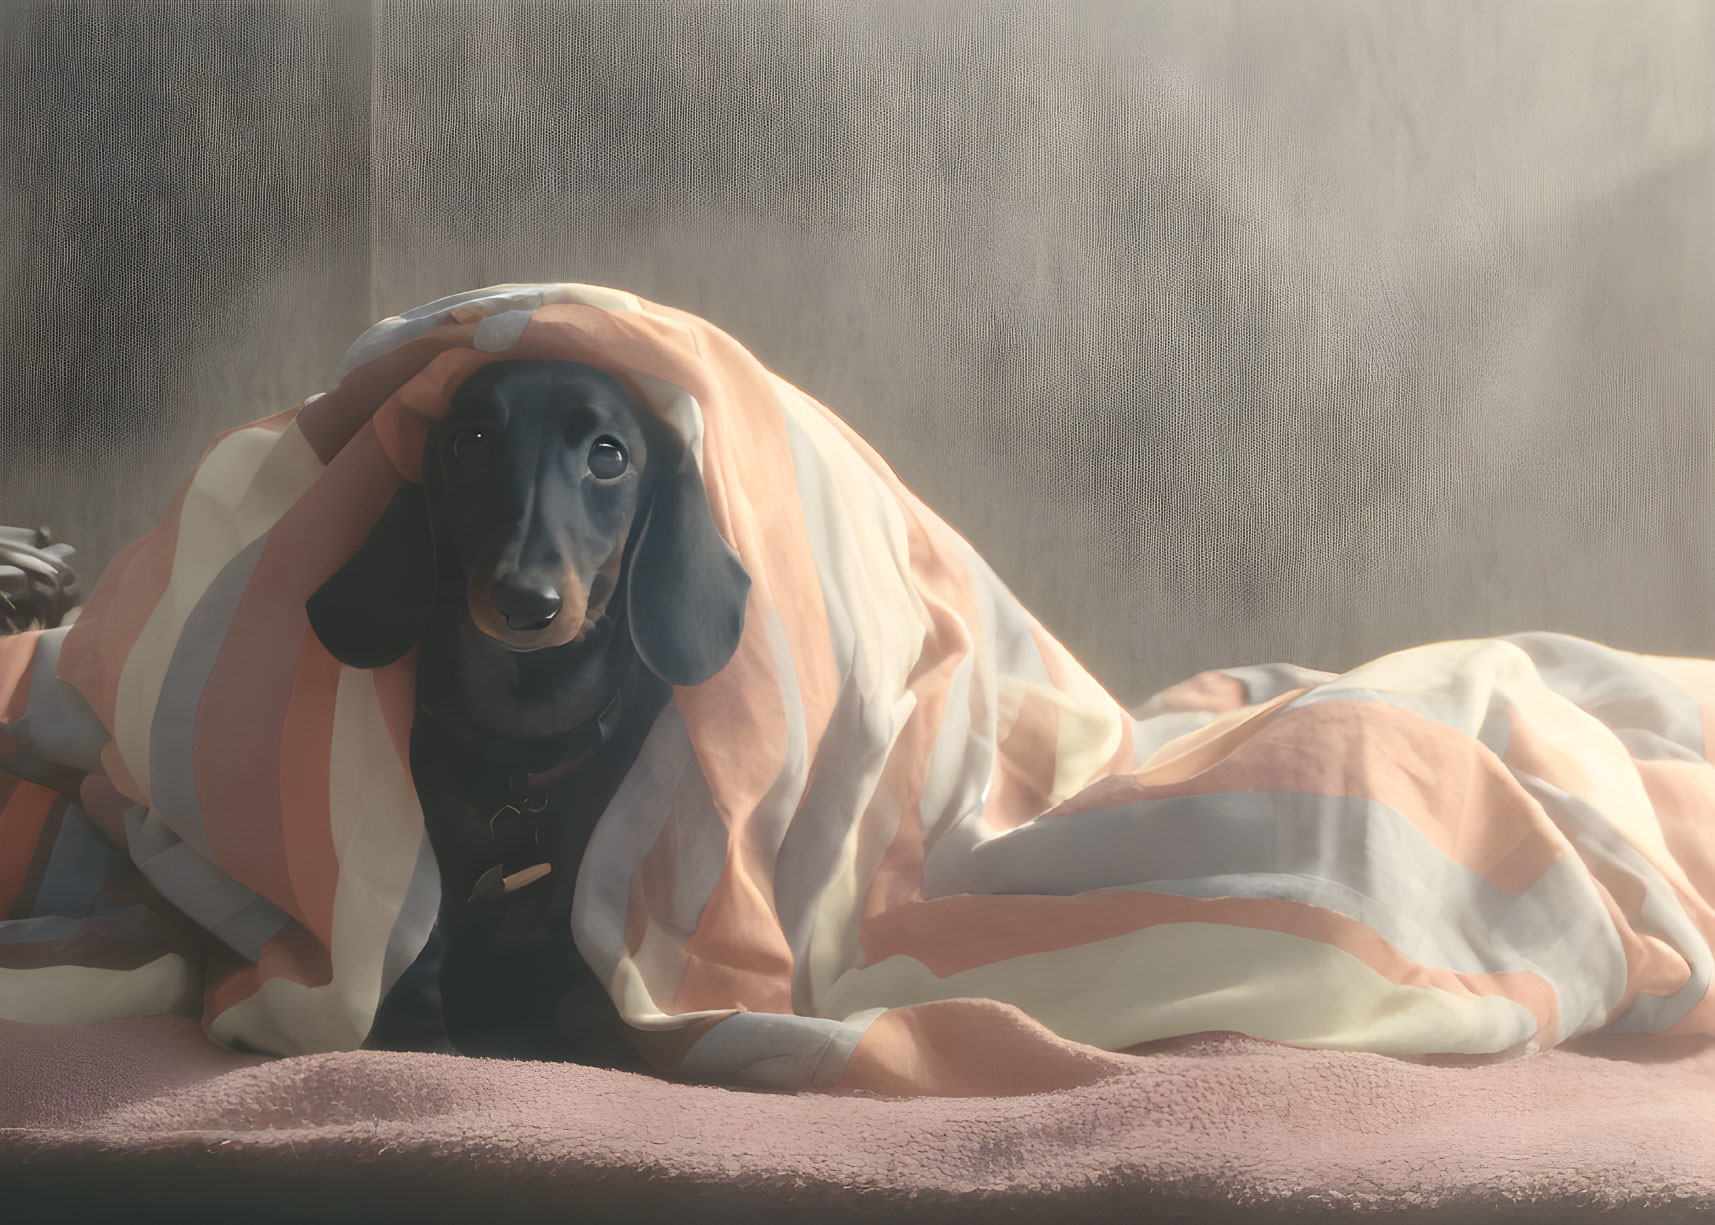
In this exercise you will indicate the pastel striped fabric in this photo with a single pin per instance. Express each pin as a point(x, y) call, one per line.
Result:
point(902, 842)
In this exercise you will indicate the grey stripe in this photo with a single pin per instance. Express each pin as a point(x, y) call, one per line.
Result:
point(58, 725)
point(629, 827)
point(416, 918)
point(172, 729)
point(239, 916)
point(63, 779)
point(390, 333)
point(83, 859)
point(397, 330)
point(499, 332)
point(39, 929)
point(776, 1050)
point(247, 930)
point(1615, 687)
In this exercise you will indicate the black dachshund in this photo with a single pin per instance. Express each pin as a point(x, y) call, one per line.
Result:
point(557, 570)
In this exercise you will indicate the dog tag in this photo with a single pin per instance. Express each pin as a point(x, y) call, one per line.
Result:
point(526, 876)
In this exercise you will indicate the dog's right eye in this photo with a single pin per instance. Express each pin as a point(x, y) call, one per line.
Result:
point(471, 447)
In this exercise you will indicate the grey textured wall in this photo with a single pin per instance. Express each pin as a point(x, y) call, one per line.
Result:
point(1228, 332)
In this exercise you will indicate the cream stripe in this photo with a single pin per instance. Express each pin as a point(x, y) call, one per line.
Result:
point(647, 796)
point(224, 509)
point(963, 764)
point(378, 835)
point(1186, 978)
point(1090, 725)
point(858, 537)
point(84, 995)
point(291, 468)
point(1090, 722)
point(1597, 768)
point(699, 849)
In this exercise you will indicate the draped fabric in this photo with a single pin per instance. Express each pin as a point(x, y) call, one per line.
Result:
point(900, 840)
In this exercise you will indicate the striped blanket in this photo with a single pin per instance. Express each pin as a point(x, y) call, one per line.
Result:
point(897, 843)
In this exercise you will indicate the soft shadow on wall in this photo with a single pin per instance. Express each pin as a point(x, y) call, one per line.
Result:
point(1226, 333)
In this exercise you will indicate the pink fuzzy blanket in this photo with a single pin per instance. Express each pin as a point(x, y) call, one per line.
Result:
point(144, 1118)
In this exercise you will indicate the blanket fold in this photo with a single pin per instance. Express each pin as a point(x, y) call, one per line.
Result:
point(900, 842)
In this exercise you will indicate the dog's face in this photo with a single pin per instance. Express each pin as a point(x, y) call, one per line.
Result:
point(544, 489)
point(534, 480)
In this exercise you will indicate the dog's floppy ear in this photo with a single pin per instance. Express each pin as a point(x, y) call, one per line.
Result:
point(686, 589)
point(377, 605)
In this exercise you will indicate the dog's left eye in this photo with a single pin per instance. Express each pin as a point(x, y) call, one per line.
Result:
point(607, 459)
point(471, 447)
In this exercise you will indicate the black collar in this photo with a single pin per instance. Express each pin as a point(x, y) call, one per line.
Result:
point(530, 794)
point(537, 757)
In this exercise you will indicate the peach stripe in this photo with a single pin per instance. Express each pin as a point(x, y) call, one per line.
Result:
point(240, 717)
point(402, 422)
point(968, 1048)
point(1214, 690)
point(1682, 793)
point(665, 1049)
point(332, 420)
point(24, 810)
point(293, 955)
point(17, 653)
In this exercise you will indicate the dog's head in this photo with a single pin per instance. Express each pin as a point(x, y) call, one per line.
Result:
point(545, 488)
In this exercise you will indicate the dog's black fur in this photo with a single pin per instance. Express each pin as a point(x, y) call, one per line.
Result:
point(524, 508)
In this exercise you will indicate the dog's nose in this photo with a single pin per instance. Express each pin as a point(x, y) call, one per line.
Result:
point(525, 607)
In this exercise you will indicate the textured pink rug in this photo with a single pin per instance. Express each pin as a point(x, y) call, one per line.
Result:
point(144, 1119)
